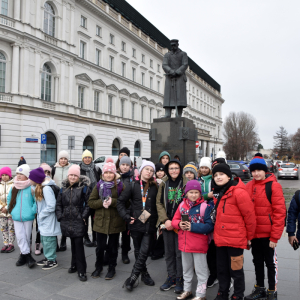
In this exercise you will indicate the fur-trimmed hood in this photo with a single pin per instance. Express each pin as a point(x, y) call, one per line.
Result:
point(83, 181)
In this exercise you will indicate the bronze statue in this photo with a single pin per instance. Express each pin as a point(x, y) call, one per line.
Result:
point(175, 63)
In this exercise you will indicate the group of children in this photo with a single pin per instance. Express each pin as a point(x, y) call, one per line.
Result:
point(204, 218)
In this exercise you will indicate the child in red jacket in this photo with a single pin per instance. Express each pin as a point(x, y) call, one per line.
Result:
point(234, 229)
point(269, 204)
point(193, 239)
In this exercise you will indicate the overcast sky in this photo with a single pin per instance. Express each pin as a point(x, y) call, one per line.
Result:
point(251, 48)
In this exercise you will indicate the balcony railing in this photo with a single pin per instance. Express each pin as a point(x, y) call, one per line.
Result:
point(50, 39)
point(7, 21)
point(6, 98)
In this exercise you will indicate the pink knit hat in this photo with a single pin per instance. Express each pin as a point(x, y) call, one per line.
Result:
point(46, 167)
point(74, 170)
point(109, 167)
point(6, 171)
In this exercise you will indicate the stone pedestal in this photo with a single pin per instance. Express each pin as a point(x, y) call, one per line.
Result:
point(175, 135)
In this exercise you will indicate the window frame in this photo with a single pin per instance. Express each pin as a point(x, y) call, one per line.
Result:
point(151, 83)
point(81, 96)
point(3, 62)
point(2, 8)
point(132, 110)
point(123, 46)
point(143, 79)
point(96, 100)
point(82, 51)
point(123, 69)
point(98, 31)
point(158, 86)
point(83, 21)
point(122, 114)
point(48, 14)
point(98, 57)
point(151, 63)
point(111, 39)
point(111, 63)
point(158, 68)
point(143, 58)
point(110, 105)
point(134, 52)
point(44, 75)
point(133, 74)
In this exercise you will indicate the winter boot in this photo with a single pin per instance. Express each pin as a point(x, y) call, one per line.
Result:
point(221, 296)
point(130, 282)
point(30, 260)
point(179, 285)
point(22, 260)
point(257, 293)
point(111, 273)
point(169, 283)
point(147, 279)
point(271, 295)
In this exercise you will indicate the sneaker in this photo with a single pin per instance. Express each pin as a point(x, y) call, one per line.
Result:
point(147, 279)
point(221, 296)
point(212, 281)
point(42, 262)
point(97, 272)
point(185, 295)
point(30, 260)
point(234, 297)
point(82, 277)
point(3, 250)
point(111, 273)
point(169, 283)
point(50, 265)
point(10, 249)
point(271, 295)
point(38, 249)
point(179, 285)
point(257, 292)
point(22, 260)
point(131, 282)
point(72, 269)
point(125, 258)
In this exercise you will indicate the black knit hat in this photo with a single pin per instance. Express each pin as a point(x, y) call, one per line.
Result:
point(219, 160)
point(258, 154)
point(160, 167)
point(224, 168)
point(125, 150)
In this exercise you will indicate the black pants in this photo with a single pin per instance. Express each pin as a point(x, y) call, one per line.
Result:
point(263, 254)
point(38, 234)
point(111, 249)
point(125, 241)
point(78, 256)
point(158, 248)
point(230, 264)
point(142, 243)
point(92, 215)
point(212, 259)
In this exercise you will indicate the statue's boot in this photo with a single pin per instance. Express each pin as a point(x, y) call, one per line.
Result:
point(167, 113)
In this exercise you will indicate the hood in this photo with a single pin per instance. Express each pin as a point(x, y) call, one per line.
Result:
point(57, 165)
point(83, 181)
point(8, 182)
point(170, 162)
point(48, 181)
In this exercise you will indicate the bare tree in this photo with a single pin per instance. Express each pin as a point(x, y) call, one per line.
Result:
point(240, 133)
point(281, 142)
point(295, 144)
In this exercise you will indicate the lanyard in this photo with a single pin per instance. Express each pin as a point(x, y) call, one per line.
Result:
point(143, 198)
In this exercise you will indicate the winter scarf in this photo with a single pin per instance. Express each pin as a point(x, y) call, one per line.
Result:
point(89, 169)
point(125, 175)
point(220, 190)
point(104, 188)
point(21, 185)
point(193, 203)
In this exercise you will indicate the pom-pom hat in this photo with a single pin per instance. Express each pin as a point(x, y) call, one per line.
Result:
point(109, 167)
point(190, 168)
point(258, 163)
point(205, 162)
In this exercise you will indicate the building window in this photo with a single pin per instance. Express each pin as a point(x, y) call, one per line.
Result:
point(132, 110)
point(133, 74)
point(151, 83)
point(49, 156)
point(123, 69)
point(80, 96)
point(115, 147)
point(151, 63)
point(158, 68)
point(137, 149)
point(98, 31)
point(122, 107)
point(142, 113)
point(124, 46)
point(3, 72)
point(83, 21)
point(49, 19)
point(4, 7)
point(82, 49)
point(96, 101)
point(143, 78)
point(143, 58)
point(158, 86)
point(88, 144)
point(46, 83)
point(112, 39)
point(133, 52)
point(110, 101)
point(98, 57)
point(111, 64)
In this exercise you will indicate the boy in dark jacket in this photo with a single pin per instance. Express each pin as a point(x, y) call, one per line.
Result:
point(293, 215)
point(168, 198)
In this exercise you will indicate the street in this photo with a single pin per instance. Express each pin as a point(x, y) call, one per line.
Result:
point(18, 283)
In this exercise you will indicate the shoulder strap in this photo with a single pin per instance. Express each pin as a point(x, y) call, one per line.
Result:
point(203, 207)
point(53, 172)
point(269, 191)
point(297, 194)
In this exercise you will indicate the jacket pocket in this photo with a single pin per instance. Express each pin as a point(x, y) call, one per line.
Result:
point(270, 219)
point(237, 262)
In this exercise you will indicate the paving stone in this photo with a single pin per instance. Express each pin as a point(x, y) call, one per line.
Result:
point(62, 276)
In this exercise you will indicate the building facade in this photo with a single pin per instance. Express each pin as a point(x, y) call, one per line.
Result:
point(81, 68)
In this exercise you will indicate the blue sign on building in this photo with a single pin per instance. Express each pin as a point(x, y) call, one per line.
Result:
point(43, 139)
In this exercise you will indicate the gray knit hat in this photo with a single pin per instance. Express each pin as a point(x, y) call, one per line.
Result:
point(191, 168)
point(125, 160)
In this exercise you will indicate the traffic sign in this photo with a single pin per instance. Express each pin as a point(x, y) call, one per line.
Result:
point(43, 139)
point(197, 144)
point(31, 140)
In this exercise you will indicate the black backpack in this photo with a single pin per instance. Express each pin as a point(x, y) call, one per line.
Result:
point(55, 190)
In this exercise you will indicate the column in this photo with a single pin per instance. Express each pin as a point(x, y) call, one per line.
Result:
point(64, 20)
point(15, 69)
point(56, 81)
point(37, 74)
point(72, 27)
point(202, 148)
point(25, 11)
point(38, 14)
point(24, 69)
point(62, 82)
point(17, 9)
point(71, 102)
point(208, 149)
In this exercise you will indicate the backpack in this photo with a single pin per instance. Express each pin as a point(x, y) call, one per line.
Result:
point(296, 197)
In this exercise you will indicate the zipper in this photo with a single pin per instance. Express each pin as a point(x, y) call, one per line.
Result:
point(224, 205)
point(270, 219)
point(21, 205)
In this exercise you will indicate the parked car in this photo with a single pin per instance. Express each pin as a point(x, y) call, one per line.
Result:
point(75, 162)
point(239, 161)
point(288, 170)
point(239, 170)
point(270, 166)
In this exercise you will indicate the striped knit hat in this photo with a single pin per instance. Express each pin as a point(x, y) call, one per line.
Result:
point(191, 168)
point(258, 163)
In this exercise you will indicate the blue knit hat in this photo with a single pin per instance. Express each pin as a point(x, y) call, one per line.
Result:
point(258, 163)
point(163, 154)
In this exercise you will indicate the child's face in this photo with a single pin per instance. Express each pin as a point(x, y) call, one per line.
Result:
point(108, 176)
point(165, 159)
point(73, 179)
point(189, 175)
point(160, 174)
point(221, 178)
point(147, 173)
point(21, 177)
point(174, 170)
point(204, 170)
point(259, 174)
point(63, 161)
point(193, 195)
point(124, 168)
point(5, 178)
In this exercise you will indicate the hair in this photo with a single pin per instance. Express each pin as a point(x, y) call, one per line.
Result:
point(163, 156)
point(38, 192)
point(118, 165)
point(200, 174)
point(13, 199)
point(150, 182)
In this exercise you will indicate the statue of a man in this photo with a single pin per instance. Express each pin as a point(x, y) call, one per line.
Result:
point(175, 63)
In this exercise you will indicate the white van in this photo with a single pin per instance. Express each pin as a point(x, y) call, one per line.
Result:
point(100, 161)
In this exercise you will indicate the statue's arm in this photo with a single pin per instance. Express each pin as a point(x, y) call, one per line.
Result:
point(184, 65)
point(165, 65)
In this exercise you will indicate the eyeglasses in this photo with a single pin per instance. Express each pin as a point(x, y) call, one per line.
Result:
point(174, 169)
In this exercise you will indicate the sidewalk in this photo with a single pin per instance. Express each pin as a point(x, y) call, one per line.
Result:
point(23, 283)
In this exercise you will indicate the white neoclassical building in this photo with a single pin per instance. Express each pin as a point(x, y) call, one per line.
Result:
point(89, 69)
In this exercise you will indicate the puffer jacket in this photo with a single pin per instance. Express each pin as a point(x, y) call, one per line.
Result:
point(25, 208)
point(72, 207)
point(136, 207)
point(59, 173)
point(196, 240)
point(293, 215)
point(269, 217)
point(46, 218)
point(5, 187)
point(235, 222)
point(107, 220)
point(205, 182)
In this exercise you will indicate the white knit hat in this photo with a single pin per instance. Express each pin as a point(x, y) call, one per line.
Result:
point(221, 154)
point(63, 154)
point(205, 162)
point(23, 169)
